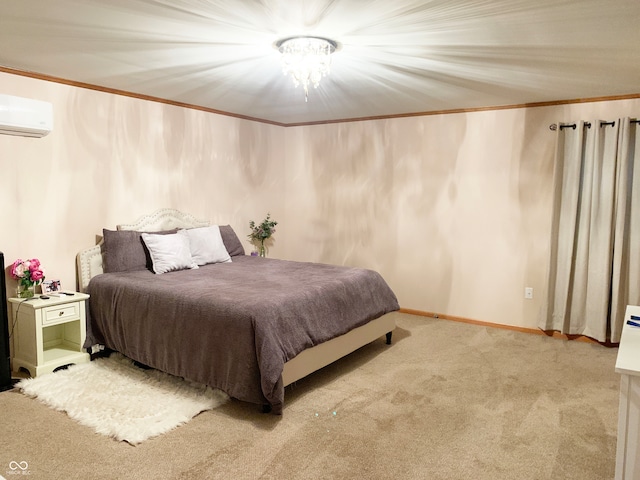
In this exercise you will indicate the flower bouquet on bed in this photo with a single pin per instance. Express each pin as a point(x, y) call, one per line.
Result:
point(261, 232)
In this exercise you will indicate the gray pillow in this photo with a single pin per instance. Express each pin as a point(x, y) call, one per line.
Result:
point(231, 241)
point(124, 251)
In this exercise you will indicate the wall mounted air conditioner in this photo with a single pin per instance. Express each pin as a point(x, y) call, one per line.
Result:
point(25, 117)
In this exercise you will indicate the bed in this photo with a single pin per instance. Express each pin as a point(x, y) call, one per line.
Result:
point(247, 325)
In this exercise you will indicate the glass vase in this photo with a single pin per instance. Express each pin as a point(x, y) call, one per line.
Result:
point(263, 251)
point(25, 291)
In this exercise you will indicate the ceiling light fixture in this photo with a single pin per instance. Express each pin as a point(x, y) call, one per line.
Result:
point(306, 59)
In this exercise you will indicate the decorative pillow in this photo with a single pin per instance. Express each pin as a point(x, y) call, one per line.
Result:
point(124, 250)
point(206, 245)
point(168, 252)
point(231, 241)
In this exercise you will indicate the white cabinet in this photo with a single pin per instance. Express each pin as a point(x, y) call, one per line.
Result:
point(48, 333)
point(628, 366)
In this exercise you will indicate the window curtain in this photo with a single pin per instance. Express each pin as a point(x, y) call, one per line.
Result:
point(594, 269)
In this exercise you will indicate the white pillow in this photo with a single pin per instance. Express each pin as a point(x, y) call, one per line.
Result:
point(169, 252)
point(206, 245)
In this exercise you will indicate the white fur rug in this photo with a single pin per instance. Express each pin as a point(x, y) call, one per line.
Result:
point(118, 399)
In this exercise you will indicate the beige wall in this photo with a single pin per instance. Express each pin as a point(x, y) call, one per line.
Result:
point(111, 159)
point(453, 210)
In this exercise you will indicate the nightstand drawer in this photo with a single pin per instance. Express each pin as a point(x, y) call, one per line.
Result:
point(61, 313)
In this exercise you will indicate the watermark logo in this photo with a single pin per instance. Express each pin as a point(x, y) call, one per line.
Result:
point(18, 468)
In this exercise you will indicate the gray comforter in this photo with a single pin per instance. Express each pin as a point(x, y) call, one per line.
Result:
point(233, 325)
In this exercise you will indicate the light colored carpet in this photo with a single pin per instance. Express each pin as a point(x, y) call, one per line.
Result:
point(118, 399)
point(445, 401)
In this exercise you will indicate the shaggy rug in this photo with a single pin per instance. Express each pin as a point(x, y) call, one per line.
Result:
point(118, 399)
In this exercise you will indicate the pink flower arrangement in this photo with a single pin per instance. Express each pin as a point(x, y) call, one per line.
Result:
point(27, 272)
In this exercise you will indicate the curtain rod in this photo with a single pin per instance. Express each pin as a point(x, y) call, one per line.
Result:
point(554, 126)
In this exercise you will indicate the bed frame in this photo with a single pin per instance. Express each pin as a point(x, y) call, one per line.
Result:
point(89, 264)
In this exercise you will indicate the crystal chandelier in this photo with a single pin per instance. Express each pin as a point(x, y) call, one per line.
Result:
point(306, 59)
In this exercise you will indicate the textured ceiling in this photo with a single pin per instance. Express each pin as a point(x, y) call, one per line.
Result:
point(396, 57)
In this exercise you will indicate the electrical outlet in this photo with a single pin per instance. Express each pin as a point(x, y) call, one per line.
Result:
point(528, 292)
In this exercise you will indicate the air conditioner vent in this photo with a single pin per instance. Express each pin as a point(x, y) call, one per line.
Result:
point(25, 117)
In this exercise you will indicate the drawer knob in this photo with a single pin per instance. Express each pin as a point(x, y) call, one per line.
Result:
point(60, 314)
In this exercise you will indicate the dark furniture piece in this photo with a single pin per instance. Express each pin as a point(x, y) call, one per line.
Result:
point(5, 363)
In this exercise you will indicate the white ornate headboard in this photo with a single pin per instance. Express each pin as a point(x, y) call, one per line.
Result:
point(89, 261)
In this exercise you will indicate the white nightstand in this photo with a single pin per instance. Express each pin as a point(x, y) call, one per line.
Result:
point(48, 333)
